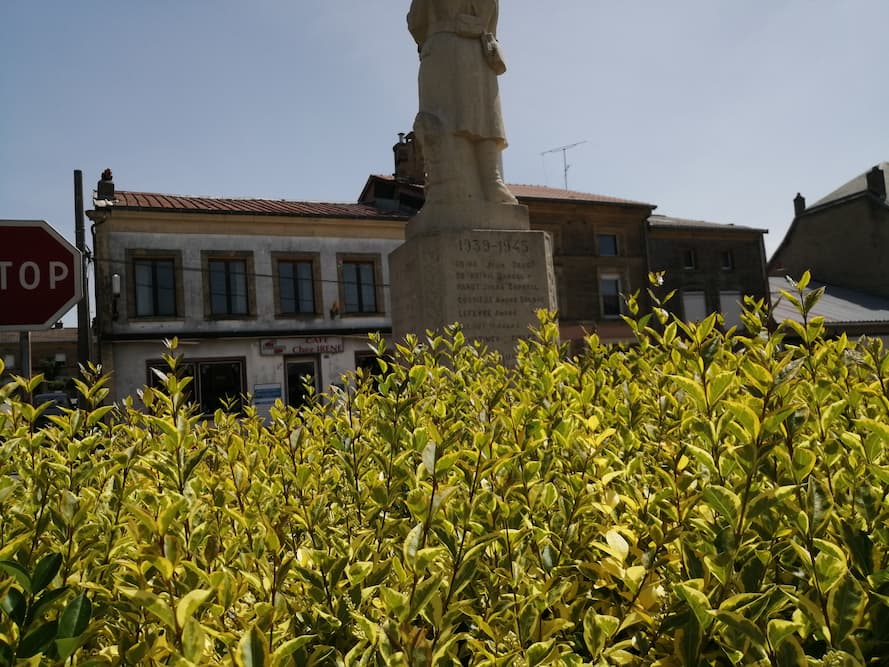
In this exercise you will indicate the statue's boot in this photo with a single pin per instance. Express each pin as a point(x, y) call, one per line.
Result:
point(488, 155)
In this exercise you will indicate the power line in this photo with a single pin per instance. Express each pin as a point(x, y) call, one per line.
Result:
point(122, 265)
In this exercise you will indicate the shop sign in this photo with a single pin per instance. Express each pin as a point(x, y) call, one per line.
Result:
point(303, 345)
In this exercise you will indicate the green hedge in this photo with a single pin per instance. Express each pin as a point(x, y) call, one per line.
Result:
point(699, 497)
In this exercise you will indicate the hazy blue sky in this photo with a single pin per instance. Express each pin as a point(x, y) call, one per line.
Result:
point(712, 109)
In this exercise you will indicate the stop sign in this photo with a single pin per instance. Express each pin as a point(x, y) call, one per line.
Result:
point(40, 275)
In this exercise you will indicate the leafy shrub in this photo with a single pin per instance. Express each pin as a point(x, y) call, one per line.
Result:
point(697, 498)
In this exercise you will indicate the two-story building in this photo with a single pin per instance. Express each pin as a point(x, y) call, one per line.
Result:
point(843, 238)
point(843, 241)
point(262, 295)
point(711, 267)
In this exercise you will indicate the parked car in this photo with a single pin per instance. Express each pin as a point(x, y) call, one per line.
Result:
point(58, 402)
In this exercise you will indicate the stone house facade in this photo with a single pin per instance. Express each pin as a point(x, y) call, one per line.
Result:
point(711, 267)
point(262, 295)
point(843, 238)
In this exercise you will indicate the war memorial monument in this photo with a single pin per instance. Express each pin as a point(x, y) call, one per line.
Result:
point(469, 255)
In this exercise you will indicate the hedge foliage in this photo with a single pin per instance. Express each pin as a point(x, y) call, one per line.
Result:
point(698, 498)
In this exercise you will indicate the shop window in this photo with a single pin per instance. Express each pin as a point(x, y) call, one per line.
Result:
point(216, 383)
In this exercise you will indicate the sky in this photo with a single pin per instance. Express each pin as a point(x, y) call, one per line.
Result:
point(718, 110)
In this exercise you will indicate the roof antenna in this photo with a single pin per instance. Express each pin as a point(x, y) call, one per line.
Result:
point(565, 165)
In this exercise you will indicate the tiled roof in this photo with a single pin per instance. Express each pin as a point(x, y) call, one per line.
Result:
point(669, 222)
point(522, 191)
point(64, 335)
point(838, 305)
point(192, 204)
point(856, 185)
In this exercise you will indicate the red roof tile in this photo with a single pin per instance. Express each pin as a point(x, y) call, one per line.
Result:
point(191, 204)
point(522, 191)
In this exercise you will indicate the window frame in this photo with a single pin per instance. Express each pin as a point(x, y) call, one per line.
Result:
point(192, 368)
point(344, 259)
point(686, 293)
point(209, 256)
point(135, 255)
point(314, 261)
point(737, 301)
point(620, 279)
point(689, 259)
point(727, 260)
point(617, 244)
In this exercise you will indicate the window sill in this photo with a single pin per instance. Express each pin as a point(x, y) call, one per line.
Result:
point(216, 318)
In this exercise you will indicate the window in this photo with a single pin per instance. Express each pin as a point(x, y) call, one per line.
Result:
point(694, 306)
point(295, 284)
point(359, 284)
point(370, 362)
point(609, 294)
point(228, 285)
point(607, 244)
point(216, 383)
point(154, 289)
point(689, 259)
point(730, 304)
point(727, 260)
point(220, 385)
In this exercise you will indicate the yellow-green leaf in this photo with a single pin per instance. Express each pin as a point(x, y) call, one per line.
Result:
point(698, 602)
point(252, 649)
point(597, 630)
point(620, 549)
point(723, 501)
point(194, 641)
point(189, 603)
point(778, 630)
point(846, 605)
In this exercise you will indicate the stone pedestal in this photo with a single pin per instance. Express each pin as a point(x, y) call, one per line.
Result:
point(456, 268)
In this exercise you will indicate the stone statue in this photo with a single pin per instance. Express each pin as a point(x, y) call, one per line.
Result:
point(459, 124)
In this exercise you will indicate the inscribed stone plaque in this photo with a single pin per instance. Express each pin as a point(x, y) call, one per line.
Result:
point(491, 281)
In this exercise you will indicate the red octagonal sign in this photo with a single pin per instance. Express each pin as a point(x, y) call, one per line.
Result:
point(40, 275)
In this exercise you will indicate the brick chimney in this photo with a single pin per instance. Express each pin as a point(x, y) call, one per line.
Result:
point(799, 205)
point(105, 187)
point(409, 165)
point(876, 183)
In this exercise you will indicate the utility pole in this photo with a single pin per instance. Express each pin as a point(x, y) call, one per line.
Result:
point(564, 150)
point(84, 333)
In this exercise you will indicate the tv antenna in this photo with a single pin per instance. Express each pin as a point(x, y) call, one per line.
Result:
point(565, 165)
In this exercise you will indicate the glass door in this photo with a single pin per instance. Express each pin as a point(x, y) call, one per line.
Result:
point(301, 372)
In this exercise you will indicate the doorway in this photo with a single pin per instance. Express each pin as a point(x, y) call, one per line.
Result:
point(301, 373)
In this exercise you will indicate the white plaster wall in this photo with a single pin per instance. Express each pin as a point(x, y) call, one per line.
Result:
point(130, 361)
point(192, 245)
